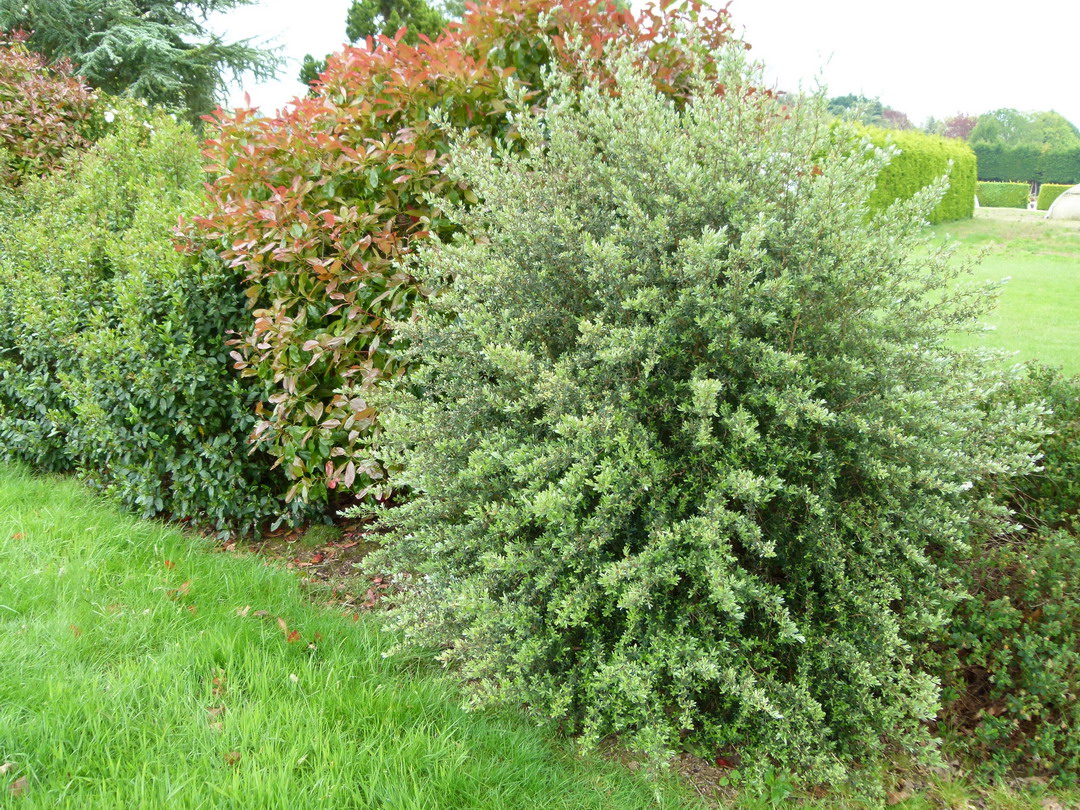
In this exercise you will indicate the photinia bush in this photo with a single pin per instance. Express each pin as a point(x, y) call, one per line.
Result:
point(45, 112)
point(316, 205)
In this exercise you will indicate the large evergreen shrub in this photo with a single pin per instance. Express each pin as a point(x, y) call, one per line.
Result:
point(112, 344)
point(684, 435)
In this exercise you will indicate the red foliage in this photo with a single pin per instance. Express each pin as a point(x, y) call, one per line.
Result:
point(315, 205)
point(960, 126)
point(44, 111)
point(896, 119)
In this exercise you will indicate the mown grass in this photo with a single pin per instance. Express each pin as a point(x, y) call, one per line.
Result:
point(137, 671)
point(1038, 314)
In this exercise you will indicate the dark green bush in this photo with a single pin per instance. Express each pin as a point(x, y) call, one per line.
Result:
point(1048, 192)
point(922, 159)
point(685, 435)
point(1004, 195)
point(1012, 653)
point(112, 343)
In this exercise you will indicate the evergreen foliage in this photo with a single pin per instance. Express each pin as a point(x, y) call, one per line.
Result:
point(685, 438)
point(160, 51)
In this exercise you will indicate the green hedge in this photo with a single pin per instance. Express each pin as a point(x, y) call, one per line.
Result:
point(1025, 164)
point(1048, 192)
point(922, 160)
point(1004, 195)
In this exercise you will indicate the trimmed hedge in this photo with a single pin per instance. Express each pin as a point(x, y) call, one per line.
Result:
point(1048, 192)
point(922, 160)
point(1026, 163)
point(1004, 195)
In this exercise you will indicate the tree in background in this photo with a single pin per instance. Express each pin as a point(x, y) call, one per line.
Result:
point(372, 18)
point(959, 126)
point(894, 119)
point(860, 108)
point(1053, 131)
point(1006, 126)
point(157, 50)
point(1046, 130)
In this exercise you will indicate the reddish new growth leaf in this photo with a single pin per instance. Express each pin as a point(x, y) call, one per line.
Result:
point(316, 204)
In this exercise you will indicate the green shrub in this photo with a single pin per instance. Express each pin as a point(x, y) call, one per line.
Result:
point(684, 433)
point(1012, 653)
point(112, 344)
point(921, 160)
point(1004, 195)
point(1048, 192)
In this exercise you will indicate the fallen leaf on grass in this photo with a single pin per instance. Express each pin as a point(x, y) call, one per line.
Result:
point(18, 536)
point(170, 564)
point(7, 766)
point(243, 611)
point(293, 678)
point(76, 630)
point(293, 636)
point(282, 624)
point(19, 786)
point(232, 757)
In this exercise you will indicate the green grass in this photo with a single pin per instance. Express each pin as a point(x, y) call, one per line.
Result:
point(121, 686)
point(1038, 314)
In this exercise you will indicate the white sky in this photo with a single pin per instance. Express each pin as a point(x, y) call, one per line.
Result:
point(922, 57)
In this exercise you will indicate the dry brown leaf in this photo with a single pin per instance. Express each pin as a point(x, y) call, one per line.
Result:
point(7, 766)
point(232, 757)
point(19, 786)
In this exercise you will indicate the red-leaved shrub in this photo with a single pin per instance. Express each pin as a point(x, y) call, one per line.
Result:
point(45, 111)
point(316, 205)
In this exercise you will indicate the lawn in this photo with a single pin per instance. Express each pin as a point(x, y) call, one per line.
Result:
point(139, 670)
point(1038, 314)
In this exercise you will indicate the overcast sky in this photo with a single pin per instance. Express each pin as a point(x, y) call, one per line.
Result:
point(923, 57)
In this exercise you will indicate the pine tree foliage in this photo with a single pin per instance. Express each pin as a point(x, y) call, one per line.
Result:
point(685, 439)
point(158, 50)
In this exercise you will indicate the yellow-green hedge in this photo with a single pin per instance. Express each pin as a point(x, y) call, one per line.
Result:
point(922, 160)
point(1004, 195)
point(1048, 192)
